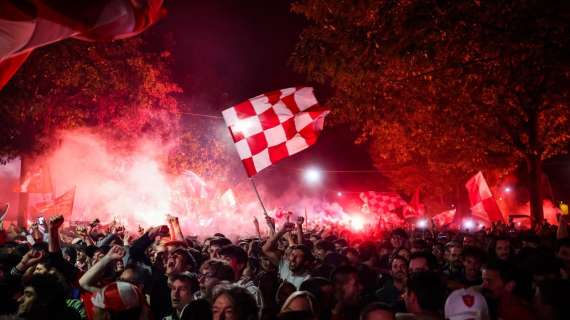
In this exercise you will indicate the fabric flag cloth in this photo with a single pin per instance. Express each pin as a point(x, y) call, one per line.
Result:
point(36, 180)
point(118, 296)
point(483, 204)
point(274, 125)
point(61, 205)
point(382, 202)
point(36, 23)
point(444, 218)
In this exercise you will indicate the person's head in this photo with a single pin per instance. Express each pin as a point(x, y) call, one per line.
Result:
point(299, 259)
point(550, 300)
point(69, 254)
point(300, 301)
point(347, 285)
point(472, 261)
point(422, 261)
point(213, 272)
point(425, 293)
point(351, 255)
point(502, 279)
point(469, 241)
point(398, 238)
point(233, 303)
point(454, 257)
point(322, 289)
point(99, 253)
point(399, 268)
point(377, 311)
point(502, 249)
point(340, 244)
point(465, 304)
point(215, 245)
point(178, 261)
point(43, 296)
point(404, 253)
point(134, 274)
point(322, 248)
point(236, 257)
point(367, 253)
point(182, 287)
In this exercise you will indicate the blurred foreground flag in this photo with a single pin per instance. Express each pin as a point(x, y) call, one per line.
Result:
point(483, 205)
point(61, 205)
point(444, 218)
point(274, 125)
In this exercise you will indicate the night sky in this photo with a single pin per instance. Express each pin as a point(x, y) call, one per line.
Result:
point(228, 51)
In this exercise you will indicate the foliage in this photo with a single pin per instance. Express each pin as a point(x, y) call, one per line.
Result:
point(447, 87)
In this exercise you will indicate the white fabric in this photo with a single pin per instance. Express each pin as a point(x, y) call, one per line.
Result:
point(286, 274)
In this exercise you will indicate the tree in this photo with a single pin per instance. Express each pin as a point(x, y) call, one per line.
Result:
point(448, 86)
point(121, 88)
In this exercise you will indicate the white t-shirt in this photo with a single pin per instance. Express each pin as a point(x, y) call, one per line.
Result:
point(287, 275)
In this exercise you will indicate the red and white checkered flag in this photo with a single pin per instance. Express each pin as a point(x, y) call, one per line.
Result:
point(382, 202)
point(274, 125)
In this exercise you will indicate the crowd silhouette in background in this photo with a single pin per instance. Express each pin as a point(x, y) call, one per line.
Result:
point(286, 271)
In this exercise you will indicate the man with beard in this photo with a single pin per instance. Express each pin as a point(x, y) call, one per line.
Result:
point(394, 285)
point(348, 289)
point(44, 298)
point(294, 269)
point(508, 291)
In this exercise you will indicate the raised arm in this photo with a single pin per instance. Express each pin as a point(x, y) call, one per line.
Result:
point(53, 228)
point(299, 224)
point(270, 225)
point(257, 229)
point(89, 280)
point(270, 250)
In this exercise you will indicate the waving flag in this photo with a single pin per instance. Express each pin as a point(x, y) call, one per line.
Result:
point(382, 202)
point(274, 125)
point(444, 218)
point(27, 25)
point(61, 205)
point(483, 205)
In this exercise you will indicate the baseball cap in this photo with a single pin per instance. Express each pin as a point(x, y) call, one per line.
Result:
point(466, 304)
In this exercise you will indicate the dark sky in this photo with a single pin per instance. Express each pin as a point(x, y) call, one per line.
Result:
point(229, 51)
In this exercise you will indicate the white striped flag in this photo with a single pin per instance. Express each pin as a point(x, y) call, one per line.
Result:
point(274, 125)
point(483, 204)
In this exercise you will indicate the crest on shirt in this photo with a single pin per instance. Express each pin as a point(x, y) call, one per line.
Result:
point(469, 300)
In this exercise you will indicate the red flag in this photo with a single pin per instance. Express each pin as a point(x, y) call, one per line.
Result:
point(444, 218)
point(382, 202)
point(274, 125)
point(41, 22)
point(483, 205)
point(61, 205)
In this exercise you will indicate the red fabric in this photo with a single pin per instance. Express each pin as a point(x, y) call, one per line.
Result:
point(483, 205)
point(61, 205)
point(274, 125)
point(87, 304)
point(9, 66)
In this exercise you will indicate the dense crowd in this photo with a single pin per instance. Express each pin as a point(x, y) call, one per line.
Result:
point(108, 272)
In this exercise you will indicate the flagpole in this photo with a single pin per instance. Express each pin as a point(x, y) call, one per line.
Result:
point(258, 197)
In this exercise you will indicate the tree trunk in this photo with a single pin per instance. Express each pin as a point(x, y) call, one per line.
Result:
point(534, 166)
point(22, 218)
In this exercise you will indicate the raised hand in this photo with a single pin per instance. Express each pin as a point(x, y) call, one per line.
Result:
point(300, 220)
point(55, 222)
point(255, 222)
point(116, 252)
point(31, 258)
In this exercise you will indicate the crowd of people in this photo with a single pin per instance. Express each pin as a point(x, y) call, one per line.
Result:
point(289, 271)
